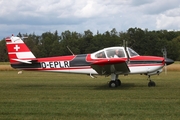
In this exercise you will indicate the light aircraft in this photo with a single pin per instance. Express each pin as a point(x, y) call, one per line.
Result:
point(113, 61)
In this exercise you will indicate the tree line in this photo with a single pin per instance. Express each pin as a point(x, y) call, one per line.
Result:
point(143, 42)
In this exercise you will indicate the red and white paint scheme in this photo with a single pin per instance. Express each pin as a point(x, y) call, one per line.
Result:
point(113, 61)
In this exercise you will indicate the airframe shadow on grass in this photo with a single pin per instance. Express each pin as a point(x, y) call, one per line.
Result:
point(84, 86)
point(124, 86)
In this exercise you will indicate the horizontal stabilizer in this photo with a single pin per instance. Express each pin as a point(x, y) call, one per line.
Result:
point(23, 61)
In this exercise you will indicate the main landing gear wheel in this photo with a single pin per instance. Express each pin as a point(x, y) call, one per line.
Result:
point(118, 82)
point(115, 83)
point(112, 84)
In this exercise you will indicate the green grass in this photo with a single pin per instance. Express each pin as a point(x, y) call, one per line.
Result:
point(38, 95)
point(4, 63)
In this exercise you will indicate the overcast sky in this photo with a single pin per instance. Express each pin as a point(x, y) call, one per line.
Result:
point(39, 16)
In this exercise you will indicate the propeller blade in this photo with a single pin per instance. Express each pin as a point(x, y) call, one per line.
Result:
point(165, 67)
point(165, 58)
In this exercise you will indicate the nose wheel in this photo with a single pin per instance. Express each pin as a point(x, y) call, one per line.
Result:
point(151, 83)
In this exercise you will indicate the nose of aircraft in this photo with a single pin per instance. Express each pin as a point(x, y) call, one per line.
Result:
point(169, 61)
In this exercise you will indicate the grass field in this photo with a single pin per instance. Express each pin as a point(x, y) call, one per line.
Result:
point(38, 95)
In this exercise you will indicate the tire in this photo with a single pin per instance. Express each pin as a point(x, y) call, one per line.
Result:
point(151, 84)
point(118, 82)
point(112, 84)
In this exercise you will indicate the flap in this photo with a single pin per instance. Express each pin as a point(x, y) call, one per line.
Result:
point(106, 67)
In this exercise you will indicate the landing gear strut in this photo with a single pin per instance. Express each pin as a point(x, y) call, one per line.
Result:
point(151, 83)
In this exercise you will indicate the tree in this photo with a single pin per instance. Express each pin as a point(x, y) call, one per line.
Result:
point(143, 41)
point(3, 51)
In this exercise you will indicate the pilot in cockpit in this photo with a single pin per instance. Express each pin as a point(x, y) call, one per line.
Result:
point(101, 55)
point(118, 53)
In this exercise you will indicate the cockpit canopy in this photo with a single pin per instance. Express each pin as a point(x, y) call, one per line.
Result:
point(114, 52)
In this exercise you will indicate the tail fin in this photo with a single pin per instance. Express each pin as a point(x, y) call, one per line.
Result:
point(18, 51)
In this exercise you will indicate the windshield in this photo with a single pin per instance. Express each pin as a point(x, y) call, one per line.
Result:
point(132, 52)
point(114, 52)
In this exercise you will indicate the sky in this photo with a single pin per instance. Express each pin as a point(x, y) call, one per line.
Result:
point(39, 16)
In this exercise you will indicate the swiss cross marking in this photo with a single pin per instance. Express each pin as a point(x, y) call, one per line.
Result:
point(16, 47)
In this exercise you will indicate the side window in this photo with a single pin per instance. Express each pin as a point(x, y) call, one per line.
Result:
point(110, 53)
point(100, 55)
point(115, 53)
point(119, 53)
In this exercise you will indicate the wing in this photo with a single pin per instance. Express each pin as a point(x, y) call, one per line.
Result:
point(106, 67)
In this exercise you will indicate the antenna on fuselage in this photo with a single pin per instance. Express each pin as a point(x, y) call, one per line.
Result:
point(125, 47)
point(70, 50)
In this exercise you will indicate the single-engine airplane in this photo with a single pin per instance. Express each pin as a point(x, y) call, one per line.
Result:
point(113, 61)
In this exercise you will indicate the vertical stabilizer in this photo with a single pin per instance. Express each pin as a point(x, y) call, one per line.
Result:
point(17, 50)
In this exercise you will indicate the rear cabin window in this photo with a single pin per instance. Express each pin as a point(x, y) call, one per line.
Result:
point(100, 55)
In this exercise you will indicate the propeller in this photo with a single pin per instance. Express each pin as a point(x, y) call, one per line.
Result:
point(125, 46)
point(165, 58)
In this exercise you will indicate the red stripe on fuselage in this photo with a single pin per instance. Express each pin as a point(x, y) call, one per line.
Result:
point(58, 58)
